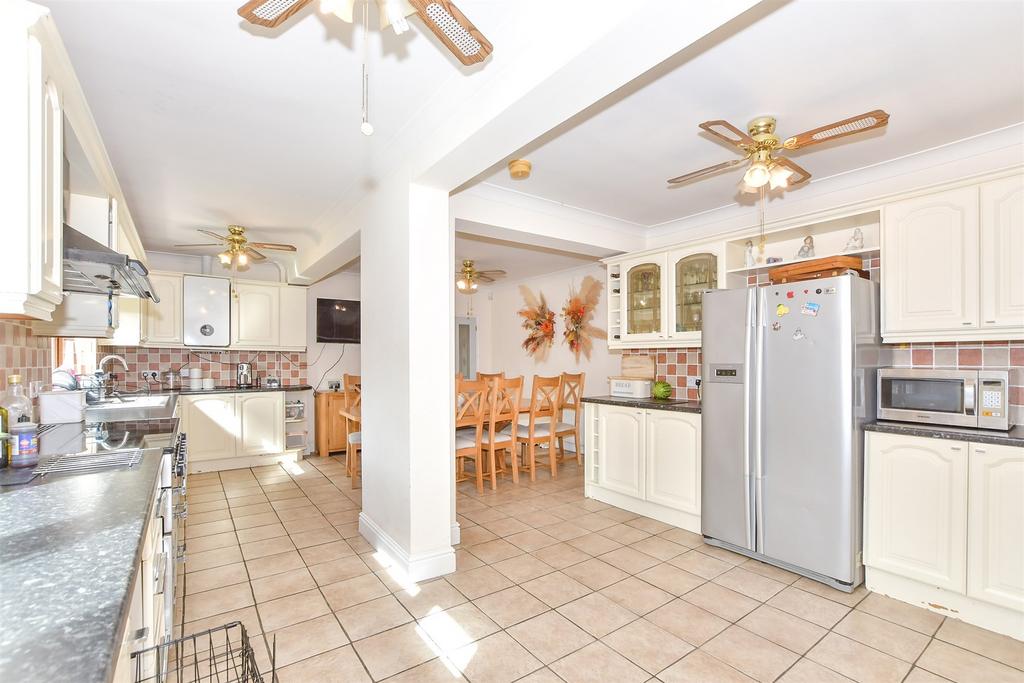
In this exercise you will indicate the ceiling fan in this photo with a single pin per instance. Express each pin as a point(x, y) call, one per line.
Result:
point(237, 248)
point(441, 16)
point(760, 146)
point(467, 279)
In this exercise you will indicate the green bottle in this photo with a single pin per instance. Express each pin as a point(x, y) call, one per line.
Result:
point(5, 445)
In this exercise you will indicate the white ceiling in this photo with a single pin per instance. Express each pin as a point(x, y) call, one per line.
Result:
point(943, 70)
point(209, 120)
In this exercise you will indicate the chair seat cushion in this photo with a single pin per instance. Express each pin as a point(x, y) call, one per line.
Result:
point(463, 441)
point(355, 438)
point(523, 431)
point(564, 427)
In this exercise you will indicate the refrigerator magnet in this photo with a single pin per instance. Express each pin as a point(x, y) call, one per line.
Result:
point(781, 310)
point(776, 326)
point(810, 308)
point(798, 334)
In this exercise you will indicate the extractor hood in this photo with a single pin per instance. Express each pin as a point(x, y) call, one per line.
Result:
point(94, 268)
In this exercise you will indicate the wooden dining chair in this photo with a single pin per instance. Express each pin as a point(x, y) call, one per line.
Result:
point(490, 376)
point(503, 409)
point(571, 399)
point(471, 396)
point(539, 427)
point(353, 430)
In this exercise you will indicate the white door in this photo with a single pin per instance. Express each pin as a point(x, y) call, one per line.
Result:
point(261, 422)
point(673, 460)
point(644, 298)
point(293, 318)
point(930, 263)
point(995, 532)
point(161, 322)
point(52, 193)
point(211, 425)
point(255, 313)
point(621, 435)
point(1002, 253)
point(916, 508)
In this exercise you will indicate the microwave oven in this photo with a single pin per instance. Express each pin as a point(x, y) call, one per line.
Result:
point(958, 398)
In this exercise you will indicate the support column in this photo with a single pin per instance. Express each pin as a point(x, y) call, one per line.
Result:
point(406, 276)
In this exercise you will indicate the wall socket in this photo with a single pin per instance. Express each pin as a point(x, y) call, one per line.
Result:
point(334, 385)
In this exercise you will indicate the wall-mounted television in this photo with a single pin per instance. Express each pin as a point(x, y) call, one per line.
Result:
point(337, 321)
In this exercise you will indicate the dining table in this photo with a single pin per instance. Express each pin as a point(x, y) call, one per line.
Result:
point(355, 413)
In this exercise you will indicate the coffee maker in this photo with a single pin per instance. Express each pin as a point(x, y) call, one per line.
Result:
point(243, 376)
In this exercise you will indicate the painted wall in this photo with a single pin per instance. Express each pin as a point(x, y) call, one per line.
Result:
point(23, 354)
point(330, 361)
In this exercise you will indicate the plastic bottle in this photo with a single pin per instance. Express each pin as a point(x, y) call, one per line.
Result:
point(5, 447)
point(16, 401)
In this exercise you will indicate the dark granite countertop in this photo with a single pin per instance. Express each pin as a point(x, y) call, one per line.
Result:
point(231, 389)
point(1013, 437)
point(681, 405)
point(69, 549)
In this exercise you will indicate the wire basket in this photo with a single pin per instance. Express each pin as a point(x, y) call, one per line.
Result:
point(218, 655)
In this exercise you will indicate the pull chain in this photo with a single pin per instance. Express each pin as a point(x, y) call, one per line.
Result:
point(366, 127)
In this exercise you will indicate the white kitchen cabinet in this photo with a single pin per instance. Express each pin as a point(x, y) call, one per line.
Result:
point(212, 425)
point(161, 323)
point(255, 314)
point(672, 463)
point(293, 318)
point(644, 298)
point(621, 451)
point(260, 417)
point(1002, 253)
point(930, 264)
point(995, 531)
point(916, 519)
point(690, 272)
point(31, 195)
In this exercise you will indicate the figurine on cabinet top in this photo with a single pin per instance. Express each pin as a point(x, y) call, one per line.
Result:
point(856, 241)
point(807, 250)
point(748, 259)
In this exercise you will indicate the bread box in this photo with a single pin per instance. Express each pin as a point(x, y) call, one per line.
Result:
point(636, 378)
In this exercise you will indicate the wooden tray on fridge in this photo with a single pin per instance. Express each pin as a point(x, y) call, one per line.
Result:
point(817, 268)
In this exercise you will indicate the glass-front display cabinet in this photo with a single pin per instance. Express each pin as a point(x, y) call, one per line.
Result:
point(643, 300)
point(693, 274)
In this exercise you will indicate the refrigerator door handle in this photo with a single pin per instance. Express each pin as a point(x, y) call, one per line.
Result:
point(750, 344)
point(758, 377)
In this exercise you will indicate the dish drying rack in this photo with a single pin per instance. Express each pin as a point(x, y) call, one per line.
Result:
point(218, 655)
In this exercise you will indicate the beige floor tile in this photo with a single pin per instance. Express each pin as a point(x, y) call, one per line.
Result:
point(904, 614)
point(495, 659)
point(273, 564)
point(315, 537)
point(476, 583)
point(771, 571)
point(700, 564)
point(755, 656)
point(292, 609)
point(544, 675)
point(208, 559)
point(340, 665)
point(992, 645)
point(372, 617)
point(962, 666)
point(792, 633)
point(722, 601)
point(629, 560)
point(308, 511)
point(890, 638)
point(510, 606)
point(556, 589)
point(560, 555)
point(806, 671)
point(596, 614)
point(475, 535)
point(700, 667)
point(427, 596)
point(241, 501)
point(249, 521)
point(639, 597)
point(624, 534)
point(353, 591)
point(523, 568)
point(505, 527)
point(597, 663)
point(213, 542)
point(594, 522)
point(651, 526)
point(204, 517)
point(260, 533)
point(594, 544)
point(452, 628)
point(687, 621)
point(531, 540)
point(857, 661)
point(722, 554)
point(217, 601)
point(270, 546)
point(280, 585)
point(550, 636)
point(289, 503)
point(659, 548)
point(670, 578)
point(919, 675)
point(338, 570)
point(683, 537)
point(842, 597)
point(247, 616)
point(595, 574)
point(755, 586)
point(435, 671)
point(564, 531)
point(466, 560)
point(245, 511)
point(306, 639)
point(618, 515)
point(326, 552)
point(495, 551)
point(390, 652)
point(218, 577)
point(647, 645)
point(812, 608)
point(295, 526)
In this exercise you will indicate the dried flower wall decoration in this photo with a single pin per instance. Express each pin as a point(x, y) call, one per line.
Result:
point(578, 314)
point(539, 323)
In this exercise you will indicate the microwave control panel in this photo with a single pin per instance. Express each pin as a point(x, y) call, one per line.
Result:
point(993, 395)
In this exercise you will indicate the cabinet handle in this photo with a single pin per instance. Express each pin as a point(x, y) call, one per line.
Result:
point(980, 450)
point(954, 448)
point(968, 322)
point(990, 322)
point(141, 634)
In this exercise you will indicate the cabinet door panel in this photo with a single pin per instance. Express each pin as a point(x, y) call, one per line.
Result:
point(211, 425)
point(293, 317)
point(643, 299)
point(930, 262)
point(621, 434)
point(161, 322)
point(916, 508)
point(995, 535)
point(255, 314)
point(690, 273)
point(673, 460)
point(1002, 253)
point(261, 422)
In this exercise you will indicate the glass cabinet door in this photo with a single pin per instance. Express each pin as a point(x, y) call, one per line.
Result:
point(694, 274)
point(643, 306)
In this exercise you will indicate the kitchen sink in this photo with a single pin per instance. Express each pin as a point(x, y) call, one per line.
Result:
point(143, 407)
point(132, 401)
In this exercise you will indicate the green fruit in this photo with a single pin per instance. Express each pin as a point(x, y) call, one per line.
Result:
point(661, 390)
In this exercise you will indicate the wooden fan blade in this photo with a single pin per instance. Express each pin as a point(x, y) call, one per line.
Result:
point(208, 244)
point(493, 272)
point(839, 129)
point(738, 137)
point(454, 30)
point(214, 235)
point(799, 172)
point(255, 255)
point(483, 278)
point(270, 13)
point(706, 171)
point(273, 245)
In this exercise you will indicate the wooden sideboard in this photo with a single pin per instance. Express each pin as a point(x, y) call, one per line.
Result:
point(330, 425)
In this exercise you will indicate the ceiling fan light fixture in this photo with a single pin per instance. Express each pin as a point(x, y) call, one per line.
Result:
point(757, 175)
point(243, 258)
point(779, 176)
point(225, 258)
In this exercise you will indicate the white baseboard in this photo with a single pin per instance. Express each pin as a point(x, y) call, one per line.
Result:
point(456, 533)
point(419, 567)
point(236, 463)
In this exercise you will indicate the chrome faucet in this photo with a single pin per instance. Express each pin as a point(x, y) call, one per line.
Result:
point(104, 387)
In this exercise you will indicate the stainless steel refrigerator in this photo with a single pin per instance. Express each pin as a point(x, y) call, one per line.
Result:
point(788, 380)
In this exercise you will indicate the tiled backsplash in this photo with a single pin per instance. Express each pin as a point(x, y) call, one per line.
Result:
point(289, 367)
point(23, 354)
point(678, 367)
